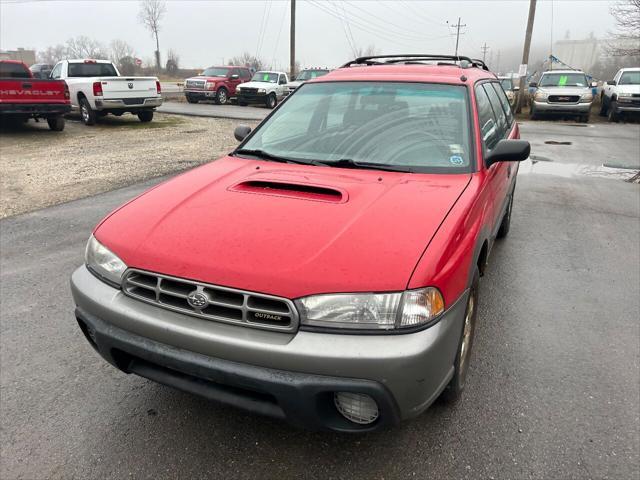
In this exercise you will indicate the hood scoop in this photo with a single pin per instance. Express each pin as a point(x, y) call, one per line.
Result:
point(302, 191)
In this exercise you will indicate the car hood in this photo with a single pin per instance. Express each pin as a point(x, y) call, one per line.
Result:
point(258, 85)
point(288, 230)
point(206, 79)
point(627, 89)
point(295, 84)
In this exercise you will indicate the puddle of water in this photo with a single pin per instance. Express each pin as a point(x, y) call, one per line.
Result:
point(571, 170)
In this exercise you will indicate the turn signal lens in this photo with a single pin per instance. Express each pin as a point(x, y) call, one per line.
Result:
point(97, 89)
point(421, 306)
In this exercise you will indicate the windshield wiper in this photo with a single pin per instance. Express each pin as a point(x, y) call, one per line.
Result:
point(350, 163)
point(271, 157)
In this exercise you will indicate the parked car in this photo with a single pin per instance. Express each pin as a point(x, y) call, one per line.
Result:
point(326, 271)
point(97, 89)
point(265, 88)
point(563, 92)
point(216, 83)
point(23, 97)
point(621, 95)
point(41, 70)
point(510, 89)
point(303, 76)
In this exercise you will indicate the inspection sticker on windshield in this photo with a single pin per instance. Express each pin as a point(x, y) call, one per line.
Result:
point(563, 80)
point(456, 160)
point(265, 77)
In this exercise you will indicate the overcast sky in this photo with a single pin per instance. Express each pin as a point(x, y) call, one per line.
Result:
point(208, 32)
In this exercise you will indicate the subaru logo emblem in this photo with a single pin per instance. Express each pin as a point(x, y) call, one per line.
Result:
point(130, 84)
point(197, 300)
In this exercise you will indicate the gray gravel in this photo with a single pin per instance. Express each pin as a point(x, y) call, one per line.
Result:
point(42, 168)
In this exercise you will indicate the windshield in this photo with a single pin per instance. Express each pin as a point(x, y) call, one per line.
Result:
point(215, 72)
point(507, 84)
point(630, 78)
point(309, 74)
point(92, 70)
point(414, 126)
point(563, 80)
point(265, 77)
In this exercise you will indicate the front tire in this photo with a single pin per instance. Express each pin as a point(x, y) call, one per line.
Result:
point(454, 389)
point(503, 231)
point(87, 114)
point(614, 115)
point(272, 101)
point(222, 96)
point(603, 106)
point(533, 115)
point(191, 99)
point(56, 123)
point(145, 116)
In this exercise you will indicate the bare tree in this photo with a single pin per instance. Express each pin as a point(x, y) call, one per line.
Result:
point(119, 49)
point(173, 61)
point(366, 52)
point(626, 41)
point(150, 15)
point(85, 47)
point(247, 60)
point(52, 55)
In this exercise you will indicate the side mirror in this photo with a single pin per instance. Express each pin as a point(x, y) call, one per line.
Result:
point(241, 132)
point(508, 151)
point(611, 82)
point(533, 84)
point(234, 77)
point(594, 84)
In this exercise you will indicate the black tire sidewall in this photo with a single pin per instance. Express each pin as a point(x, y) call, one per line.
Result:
point(217, 99)
point(91, 115)
point(56, 123)
point(272, 101)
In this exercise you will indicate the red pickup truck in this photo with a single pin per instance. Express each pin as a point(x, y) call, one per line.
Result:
point(23, 97)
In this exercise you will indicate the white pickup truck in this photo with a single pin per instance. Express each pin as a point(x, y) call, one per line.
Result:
point(622, 94)
point(265, 88)
point(97, 89)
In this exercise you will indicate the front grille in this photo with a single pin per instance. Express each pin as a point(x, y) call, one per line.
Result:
point(564, 98)
point(195, 84)
point(251, 91)
point(211, 302)
point(133, 101)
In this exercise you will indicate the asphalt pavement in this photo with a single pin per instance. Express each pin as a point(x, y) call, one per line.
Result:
point(553, 391)
point(216, 111)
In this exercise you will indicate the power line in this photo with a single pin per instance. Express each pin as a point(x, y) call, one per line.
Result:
point(344, 29)
point(484, 52)
point(284, 15)
point(458, 26)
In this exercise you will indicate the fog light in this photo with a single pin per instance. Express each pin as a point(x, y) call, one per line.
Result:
point(356, 407)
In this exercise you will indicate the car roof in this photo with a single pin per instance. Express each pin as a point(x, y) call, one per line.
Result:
point(269, 71)
point(631, 69)
point(13, 61)
point(82, 60)
point(451, 74)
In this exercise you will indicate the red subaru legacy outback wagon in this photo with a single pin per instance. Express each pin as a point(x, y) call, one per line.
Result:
point(326, 271)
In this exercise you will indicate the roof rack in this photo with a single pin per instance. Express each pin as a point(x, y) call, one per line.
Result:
point(415, 58)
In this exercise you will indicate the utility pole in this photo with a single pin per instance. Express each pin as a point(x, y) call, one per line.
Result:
point(484, 52)
point(292, 40)
point(457, 26)
point(498, 63)
point(525, 54)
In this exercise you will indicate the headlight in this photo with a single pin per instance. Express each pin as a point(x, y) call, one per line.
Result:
point(541, 95)
point(238, 89)
point(210, 86)
point(262, 90)
point(372, 311)
point(104, 263)
point(586, 98)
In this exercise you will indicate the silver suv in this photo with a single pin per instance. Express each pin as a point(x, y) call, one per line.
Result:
point(564, 92)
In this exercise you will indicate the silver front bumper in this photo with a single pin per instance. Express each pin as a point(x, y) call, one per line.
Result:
point(120, 103)
point(414, 367)
point(577, 108)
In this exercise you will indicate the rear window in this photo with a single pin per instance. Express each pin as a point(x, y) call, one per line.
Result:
point(13, 70)
point(92, 70)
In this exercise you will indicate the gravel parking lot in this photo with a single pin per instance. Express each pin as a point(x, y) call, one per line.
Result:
point(41, 168)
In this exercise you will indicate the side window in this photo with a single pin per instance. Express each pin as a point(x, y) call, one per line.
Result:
point(244, 73)
point(505, 102)
point(500, 116)
point(486, 118)
point(233, 71)
point(57, 70)
point(283, 80)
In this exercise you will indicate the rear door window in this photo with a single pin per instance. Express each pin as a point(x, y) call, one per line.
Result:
point(505, 103)
point(499, 113)
point(57, 70)
point(13, 70)
point(486, 117)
